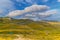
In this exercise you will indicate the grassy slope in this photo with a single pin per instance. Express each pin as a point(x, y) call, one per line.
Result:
point(31, 29)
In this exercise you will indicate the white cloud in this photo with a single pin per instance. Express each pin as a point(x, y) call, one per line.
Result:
point(41, 14)
point(33, 8)
point(48, 13)
point(34, 11)
point(15, 13)
point(9, 5)
point(58, 0)
point(6, 6)
point(1, 11)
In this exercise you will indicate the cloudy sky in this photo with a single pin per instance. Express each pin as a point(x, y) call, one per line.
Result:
point(31, 9)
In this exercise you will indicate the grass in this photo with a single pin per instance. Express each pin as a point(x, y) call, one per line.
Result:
point(29, 30)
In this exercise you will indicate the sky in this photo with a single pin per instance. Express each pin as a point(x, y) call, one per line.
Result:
point(31, 9)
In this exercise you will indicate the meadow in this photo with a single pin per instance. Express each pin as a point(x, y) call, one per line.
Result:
point(25, 29)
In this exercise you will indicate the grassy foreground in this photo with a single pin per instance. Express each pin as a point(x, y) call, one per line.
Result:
point(29, 30)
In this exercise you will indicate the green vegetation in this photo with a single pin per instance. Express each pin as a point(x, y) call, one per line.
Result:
point(35, 30)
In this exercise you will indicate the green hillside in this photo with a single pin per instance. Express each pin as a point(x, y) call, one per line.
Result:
point(34, 30)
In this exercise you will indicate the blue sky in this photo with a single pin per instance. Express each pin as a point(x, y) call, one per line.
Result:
point(19, 7)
